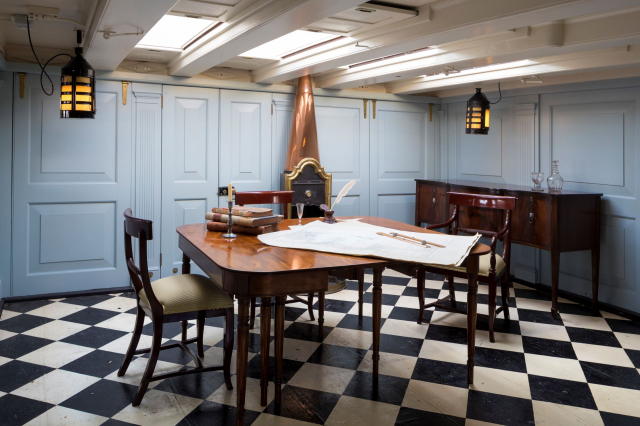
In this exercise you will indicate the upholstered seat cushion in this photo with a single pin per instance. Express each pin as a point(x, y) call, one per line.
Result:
point(484, 267)
point(188, 293)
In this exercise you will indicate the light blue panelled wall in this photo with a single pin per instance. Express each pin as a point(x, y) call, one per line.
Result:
point(164, 152)
point(592, 129)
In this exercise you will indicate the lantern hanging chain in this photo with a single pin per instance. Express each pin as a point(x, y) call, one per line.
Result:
point(499, 91)
point(42, 68)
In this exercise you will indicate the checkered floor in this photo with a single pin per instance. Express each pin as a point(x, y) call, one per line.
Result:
point(58, 362)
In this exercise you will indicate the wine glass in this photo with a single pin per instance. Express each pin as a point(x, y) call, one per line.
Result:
point(300, 207)
point(537, 179)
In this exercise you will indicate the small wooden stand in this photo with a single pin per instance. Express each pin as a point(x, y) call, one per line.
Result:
point(328, 217)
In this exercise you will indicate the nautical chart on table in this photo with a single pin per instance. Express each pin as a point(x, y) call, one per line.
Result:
point(361, 239)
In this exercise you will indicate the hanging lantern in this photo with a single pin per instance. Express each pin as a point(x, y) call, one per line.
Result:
point(478, 114)
point(77, 94)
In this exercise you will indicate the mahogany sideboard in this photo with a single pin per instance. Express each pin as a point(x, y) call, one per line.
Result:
point(562, 222)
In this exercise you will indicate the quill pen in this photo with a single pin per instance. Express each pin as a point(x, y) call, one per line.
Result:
point(343, 192)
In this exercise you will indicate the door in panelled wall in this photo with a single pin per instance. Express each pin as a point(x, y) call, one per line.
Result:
point(72, 181)
point(398, 157)
point(245, 141)
point(189, 165)
point(343, 138)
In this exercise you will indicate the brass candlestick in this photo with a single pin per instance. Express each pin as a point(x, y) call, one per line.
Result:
point(230, 233)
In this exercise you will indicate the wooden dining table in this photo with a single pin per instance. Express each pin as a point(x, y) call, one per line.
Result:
point(247, 268)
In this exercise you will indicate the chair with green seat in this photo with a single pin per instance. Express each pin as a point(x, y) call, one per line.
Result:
point(492, 266)
point(173, 299)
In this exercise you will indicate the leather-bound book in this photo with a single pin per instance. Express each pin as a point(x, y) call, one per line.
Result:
point(244, 211)
point(237, 229)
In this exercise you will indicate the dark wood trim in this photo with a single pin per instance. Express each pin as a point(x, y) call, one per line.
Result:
point(97, 292)
point(583, 300)
point(1, 306)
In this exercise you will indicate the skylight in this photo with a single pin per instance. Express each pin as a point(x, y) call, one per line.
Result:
point(174, 32)
point(292, 42)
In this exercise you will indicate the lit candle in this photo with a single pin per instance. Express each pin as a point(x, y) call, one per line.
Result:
point(230, 192)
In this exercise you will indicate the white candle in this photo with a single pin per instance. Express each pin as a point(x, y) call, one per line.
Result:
point(230, 192)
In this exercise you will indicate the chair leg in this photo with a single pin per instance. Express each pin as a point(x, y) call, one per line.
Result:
point(200, 340)
point(420, 283)
point(252, 318)
point(310, 307)
point(321, 315)
point(151, 364)
point(228, 346)
point(492, 307)
point(137, 331)
point(360, 292)
point(505, 295)
point(452, 292)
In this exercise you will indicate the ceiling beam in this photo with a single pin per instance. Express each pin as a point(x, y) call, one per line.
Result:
point(121, 16)
point(266, 21)
point(548, 40)
point(449, 22)
point(553, 65)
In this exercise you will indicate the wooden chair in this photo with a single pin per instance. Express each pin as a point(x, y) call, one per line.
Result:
point(492, 266)
point(172, 299)
point(272, 197)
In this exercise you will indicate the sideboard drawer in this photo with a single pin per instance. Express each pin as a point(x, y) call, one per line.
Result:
point(432, 199)
point(532, 220)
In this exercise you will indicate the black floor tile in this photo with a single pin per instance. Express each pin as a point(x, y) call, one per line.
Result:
point(254, 342)
point(338, 356)
point(500, 325)
point(387, 299)
point(400, 345)
point(197, 385)
point(622, 326)
point(304, 405)
point(212, 413)
point(104, 398)
point(444, 373)
point(634, 356)
point(88, 300)
point(23, 323)
point(289, 368)
point(500, 409)
point(354, 322)
point(96, 363)
point(292, 314)
point(388, 279)
point(540, 317)
point(26, 306)
point(94, 337)
point(593, 337)
point(19, 345)
point(91, 316)
point(353, 285)
point(333, 305)
point(219, 321)
point(169, 331)
point(410, 417)
point(460, 304)
point(548, 347)
point(610, 375)
point(306, 331)
point(558, 391)
point(612, 419)
point(387, 389)
point(411, 315)
point(16, 410)
point(15, 374)
point(576, 309)
point(429, 293)
point(113, 422)
point(444, 333)
point(531, 294)
point(501, 360)
point(178, 355)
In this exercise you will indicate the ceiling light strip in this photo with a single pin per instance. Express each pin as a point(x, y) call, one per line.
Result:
point(207, 31)
point(297, 52)
point(384, 58)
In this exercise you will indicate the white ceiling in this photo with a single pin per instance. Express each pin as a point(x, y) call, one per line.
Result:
point(400, 46)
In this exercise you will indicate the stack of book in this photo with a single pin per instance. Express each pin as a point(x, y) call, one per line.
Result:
point(245, 220)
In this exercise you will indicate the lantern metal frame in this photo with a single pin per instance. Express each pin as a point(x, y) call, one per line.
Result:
point(77, 88)
point(478, 113)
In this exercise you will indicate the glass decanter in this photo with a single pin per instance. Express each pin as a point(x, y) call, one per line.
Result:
point(555, 181)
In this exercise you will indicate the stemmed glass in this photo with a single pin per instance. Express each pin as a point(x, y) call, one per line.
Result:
point(300, 207)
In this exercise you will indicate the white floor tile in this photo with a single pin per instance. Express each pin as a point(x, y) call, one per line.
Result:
point(55, 386)
point(56, 354)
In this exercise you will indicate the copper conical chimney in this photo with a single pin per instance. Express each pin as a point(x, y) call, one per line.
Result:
point(303, 139)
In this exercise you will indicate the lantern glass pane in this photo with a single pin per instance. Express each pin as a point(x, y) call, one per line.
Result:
point(486, 118)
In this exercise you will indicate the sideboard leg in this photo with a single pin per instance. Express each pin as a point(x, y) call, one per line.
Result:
point(555, 278)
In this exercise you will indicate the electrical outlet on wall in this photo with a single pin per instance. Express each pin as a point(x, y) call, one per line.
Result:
point(37, 13)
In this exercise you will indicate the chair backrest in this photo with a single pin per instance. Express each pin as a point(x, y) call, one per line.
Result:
point(141, 229)
point(265, 197)
point(493, 202)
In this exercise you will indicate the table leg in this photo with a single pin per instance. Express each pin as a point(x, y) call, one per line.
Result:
point(377, 314)
point(265, 337)
point(360, 292)
point(186, 269)
point(279, 344)
point(472, 308)
point(242, 354)
point(321, 315)
point(420, 283)
point(555, 279)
